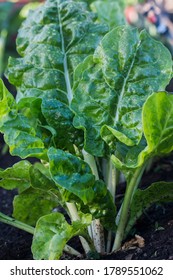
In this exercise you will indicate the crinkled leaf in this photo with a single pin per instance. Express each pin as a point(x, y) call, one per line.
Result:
point(23, 126)
point(109, 12)
point(31, 204)
point(16, 176)
point(51, 234)
point(143, 199)
point(52, 41)
point(112, 86)
point(21, 137)
point(72, 174)
point(60, 118)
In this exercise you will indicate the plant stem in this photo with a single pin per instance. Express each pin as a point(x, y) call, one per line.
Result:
point(68, 249)
point(91, 161)
point(10, 221)
point(96, 229)
point(75, 217)
point(133, 184)
point(111, 185)
point(98, 236)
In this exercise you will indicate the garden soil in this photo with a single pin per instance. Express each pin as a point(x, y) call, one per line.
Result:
point(151, 239)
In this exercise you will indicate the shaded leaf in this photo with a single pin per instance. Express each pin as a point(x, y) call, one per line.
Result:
point(72, 174)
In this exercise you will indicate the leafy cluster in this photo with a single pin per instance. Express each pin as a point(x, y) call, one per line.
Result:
point(90, 104)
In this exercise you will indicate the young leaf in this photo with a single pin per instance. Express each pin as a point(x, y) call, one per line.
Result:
point(158, 123)
point(157, 119)
point(16, 176)
point(143, 199)
point(111, 87)
point(51, 234)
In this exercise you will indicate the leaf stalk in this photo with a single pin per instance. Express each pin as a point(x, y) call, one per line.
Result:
point(131, 187)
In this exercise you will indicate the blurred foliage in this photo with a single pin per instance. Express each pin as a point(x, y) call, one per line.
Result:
point(12, 13)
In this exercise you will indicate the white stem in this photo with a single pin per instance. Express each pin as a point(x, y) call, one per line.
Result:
point(69, 250)
point(98, 236)
point(96, 230)
point(91, 161)
point(111, 185)
point(111, 179)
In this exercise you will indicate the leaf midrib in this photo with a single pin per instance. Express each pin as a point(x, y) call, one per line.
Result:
point(124, 84)
point(65, 64)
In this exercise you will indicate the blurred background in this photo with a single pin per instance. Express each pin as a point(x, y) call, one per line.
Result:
point(155, 16)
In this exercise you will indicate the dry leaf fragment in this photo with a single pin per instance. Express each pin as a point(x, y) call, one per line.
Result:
point(137, 241)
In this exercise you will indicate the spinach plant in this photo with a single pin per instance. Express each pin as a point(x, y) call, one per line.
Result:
point(90, 105)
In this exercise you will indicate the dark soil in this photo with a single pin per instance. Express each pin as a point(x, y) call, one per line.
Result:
point(155, 226)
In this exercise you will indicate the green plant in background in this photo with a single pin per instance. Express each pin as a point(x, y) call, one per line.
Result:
point(90, 104)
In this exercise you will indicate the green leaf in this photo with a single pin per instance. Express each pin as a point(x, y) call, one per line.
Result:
point(40, 178)
point(60, 118)
point(72, 174)
point(109, 12)
point(52, 41)
point(16, 176)
point(158, 123)
point(143, 199)
point(21, 137)
point(157, 119)
point(51, 234)
point(111, 87)
point(7, 104)
point(31, 204)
